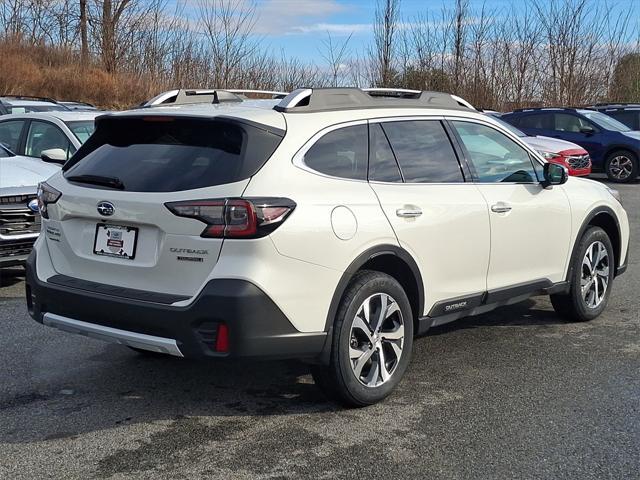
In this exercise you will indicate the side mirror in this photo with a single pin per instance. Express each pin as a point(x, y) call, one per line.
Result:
point(587, 130)
point(54, 155)
point(554, 174)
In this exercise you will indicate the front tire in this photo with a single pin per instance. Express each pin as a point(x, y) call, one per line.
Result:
point(372, 341)
point(590, 278)
point(621, 166)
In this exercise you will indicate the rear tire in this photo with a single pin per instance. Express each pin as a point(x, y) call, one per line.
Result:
point(590, 278)
point(621, 166)
point(370, 352)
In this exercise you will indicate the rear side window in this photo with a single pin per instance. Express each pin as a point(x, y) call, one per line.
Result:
point(166, 154)
point(341, 153)
point(424, 151)
point(543, 121)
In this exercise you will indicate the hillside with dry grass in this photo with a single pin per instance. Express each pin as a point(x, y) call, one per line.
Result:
point(59, 73)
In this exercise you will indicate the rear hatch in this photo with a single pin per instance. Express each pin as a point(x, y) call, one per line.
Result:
point(111, 224)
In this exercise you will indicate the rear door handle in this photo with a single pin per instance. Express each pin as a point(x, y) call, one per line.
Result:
point(409, 211)
point(500, 207)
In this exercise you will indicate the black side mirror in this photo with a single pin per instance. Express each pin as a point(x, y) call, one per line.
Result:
point(554, 174)
point(587, 130)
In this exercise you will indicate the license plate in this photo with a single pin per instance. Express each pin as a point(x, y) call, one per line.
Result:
point(115, 241)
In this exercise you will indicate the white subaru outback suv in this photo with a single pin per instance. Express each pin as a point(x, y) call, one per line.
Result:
point(334, 226)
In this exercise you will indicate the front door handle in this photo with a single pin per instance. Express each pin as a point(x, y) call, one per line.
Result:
point(409, 211)
point(500, 207)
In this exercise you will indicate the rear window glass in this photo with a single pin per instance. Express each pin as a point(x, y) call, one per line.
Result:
point(341, 153)
point(166, 154)
point(542, 121)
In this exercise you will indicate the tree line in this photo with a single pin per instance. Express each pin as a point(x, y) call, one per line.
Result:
point(545, 52)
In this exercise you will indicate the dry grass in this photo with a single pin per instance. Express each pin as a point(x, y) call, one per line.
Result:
point(58, 73)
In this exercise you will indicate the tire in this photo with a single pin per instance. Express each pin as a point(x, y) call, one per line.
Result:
point(361, 383)
point(621, 166)
point(579, 307)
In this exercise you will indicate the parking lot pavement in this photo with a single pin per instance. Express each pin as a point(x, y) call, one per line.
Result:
point(516, 393)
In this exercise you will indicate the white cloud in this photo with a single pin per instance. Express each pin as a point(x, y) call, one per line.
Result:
point(337, 28)
point(280, 17)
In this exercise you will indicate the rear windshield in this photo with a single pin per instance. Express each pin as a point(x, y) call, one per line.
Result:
point(36, 108)
point(167, 154)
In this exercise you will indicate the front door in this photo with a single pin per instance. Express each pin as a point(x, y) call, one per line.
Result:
point(530, 225)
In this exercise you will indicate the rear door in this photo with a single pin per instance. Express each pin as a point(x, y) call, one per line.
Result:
point(111, 224)
point(438, 217)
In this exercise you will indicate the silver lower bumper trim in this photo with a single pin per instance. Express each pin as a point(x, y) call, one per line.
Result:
point(113, 335)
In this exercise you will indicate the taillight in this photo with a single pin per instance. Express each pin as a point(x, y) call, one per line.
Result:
point(46, 196)
point(235, 217)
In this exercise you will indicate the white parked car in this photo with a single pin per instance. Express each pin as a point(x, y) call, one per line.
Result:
point(56, 134)
point(334, 227)
point(19, 218)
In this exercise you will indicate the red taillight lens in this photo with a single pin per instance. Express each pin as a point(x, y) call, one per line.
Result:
point(222, 338)
point(235, 217)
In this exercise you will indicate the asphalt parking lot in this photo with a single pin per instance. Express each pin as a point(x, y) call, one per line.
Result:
point(516, 393)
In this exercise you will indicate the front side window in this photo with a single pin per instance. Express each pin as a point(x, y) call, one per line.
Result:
point(424, 151)
point(341, 153)
point(10, 134)
point(494, 156)
point(570, 123)
point(46, 136)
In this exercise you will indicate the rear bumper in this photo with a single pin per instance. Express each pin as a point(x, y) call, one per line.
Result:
point(256, 326)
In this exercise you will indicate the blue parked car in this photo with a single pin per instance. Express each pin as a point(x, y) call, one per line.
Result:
point(613, 146)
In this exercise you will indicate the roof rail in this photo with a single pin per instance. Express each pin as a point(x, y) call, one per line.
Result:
point(305, 100)
point(29, 97)
point(531, 109)
point(274, 94)
point(191, 96)
point(617, 104)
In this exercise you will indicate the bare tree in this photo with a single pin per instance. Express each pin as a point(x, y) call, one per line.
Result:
point(384, 49)
point(335, 53)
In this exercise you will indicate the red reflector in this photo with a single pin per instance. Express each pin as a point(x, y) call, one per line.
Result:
point(222, 338)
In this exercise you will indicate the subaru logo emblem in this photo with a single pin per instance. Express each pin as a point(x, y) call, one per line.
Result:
point(106, 209)
point(33, 205)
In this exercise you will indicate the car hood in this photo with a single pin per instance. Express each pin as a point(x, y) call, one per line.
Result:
point(634, 134)
point(24, 171)
point(552, 145)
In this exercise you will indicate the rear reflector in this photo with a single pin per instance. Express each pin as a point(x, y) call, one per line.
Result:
point(235, 217)
point(222, 338)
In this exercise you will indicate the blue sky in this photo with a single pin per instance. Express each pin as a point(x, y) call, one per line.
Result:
point(297, 27)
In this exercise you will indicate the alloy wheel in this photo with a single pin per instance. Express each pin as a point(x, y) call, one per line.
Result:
point(595, 274)
point(376, 340)
point(621, 167)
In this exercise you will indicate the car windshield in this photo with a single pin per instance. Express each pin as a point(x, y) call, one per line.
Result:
point(82, 129)
point(510, 127)
point(606, 122)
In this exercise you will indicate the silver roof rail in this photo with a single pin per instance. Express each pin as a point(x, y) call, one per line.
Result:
point(274, 93)
point(330, 99)
point(191, 96)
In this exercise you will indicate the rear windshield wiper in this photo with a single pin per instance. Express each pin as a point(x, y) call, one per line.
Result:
point(111, 182)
